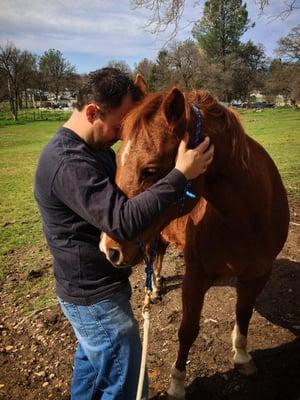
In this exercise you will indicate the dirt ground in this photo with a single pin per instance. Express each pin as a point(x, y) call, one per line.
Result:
point(36, 353)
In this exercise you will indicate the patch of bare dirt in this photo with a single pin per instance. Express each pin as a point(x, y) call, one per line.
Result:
point(36, 352)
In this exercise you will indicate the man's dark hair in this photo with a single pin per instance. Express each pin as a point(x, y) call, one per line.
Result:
point(107, 87)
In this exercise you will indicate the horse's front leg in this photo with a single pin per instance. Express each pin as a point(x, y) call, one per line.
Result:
point(195, 285)
point(157, 267)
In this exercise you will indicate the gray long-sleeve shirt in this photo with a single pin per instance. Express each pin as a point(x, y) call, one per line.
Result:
point(77, 198)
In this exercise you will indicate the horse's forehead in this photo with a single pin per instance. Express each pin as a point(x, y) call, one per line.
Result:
point(134, 143)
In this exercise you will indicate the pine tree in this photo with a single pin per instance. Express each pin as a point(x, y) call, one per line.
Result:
point(219, 31)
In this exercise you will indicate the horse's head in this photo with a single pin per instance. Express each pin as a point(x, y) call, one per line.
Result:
point(151, 134)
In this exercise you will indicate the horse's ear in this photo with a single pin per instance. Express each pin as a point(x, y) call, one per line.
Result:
point(140, 83)
point(174, 106)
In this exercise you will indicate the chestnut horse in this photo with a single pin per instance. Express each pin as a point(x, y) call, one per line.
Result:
point(236, 228)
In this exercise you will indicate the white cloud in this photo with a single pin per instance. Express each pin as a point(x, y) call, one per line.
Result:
point(103, 27)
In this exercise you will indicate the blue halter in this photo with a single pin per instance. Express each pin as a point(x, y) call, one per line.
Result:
point(197, 113)
point(187, 192)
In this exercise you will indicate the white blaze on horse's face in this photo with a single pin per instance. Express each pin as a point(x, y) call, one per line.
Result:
point(102, 244)
point(125, 153)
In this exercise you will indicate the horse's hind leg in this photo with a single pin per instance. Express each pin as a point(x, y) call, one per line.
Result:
point(193, 291)
point(157, 278)
point(247, 292)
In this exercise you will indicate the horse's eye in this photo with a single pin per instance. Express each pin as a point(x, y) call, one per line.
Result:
point(149, 173)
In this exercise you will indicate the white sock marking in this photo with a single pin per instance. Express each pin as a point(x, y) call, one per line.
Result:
point(239, 346)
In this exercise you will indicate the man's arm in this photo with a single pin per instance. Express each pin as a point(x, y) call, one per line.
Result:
point(91, 195)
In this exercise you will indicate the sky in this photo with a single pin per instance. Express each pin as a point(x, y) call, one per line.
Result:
point(90, 34)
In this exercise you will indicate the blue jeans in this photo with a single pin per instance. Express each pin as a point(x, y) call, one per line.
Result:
point(108, 355)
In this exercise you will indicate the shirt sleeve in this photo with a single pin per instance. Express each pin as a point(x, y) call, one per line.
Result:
point(90, 193)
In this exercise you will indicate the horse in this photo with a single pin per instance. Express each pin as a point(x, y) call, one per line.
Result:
point(236, 227)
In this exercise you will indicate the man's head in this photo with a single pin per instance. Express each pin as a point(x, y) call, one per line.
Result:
point(106, 97)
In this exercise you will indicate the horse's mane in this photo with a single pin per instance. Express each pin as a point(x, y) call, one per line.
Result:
point(211, 108)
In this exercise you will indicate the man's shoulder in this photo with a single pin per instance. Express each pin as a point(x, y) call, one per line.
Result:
point(64, 146)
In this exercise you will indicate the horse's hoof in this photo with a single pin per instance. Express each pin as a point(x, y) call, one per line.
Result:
point(247, 369)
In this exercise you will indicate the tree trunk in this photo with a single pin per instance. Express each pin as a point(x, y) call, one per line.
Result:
point(16, 105)
point(12, 100)
point(26, 99)
point(20, 101)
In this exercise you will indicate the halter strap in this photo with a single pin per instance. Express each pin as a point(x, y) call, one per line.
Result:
point(197, 139)
point(198, 127)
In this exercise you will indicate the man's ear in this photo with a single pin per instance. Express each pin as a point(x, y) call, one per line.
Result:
point(91, 112)
point(174, 106)
point(140, 83)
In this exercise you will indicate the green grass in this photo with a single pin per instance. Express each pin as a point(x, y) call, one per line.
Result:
point(278, 130)
point(22, 246)
point(20, 146)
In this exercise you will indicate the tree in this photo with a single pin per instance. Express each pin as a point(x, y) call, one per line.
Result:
point(144, 68)
point(289, 46)
point(166, 13)
point(121, 65)
point(283, 79)
point(3, 88)
point(221, 27)
point(247, 70)
point(17, 67)
point(185, 60)
point(28, 79)
point(161, 74)
point(55, 71)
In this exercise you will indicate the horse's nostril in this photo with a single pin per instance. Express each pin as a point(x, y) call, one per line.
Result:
point(114, 255)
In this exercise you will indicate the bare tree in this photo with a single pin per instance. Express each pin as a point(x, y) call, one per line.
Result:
point(17, 67)
point(284, 79)
point(289, 46)
point(3, 88)
point(121, 65)
point(55, 71)
point(185, 60)
point(287, 7)
point(166, 13)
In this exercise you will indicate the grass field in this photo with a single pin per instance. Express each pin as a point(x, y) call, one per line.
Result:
point(21, 241)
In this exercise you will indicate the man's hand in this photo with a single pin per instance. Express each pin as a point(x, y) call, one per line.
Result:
point(193, 162)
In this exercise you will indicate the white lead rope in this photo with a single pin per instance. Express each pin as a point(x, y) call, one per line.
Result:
point(146, 316)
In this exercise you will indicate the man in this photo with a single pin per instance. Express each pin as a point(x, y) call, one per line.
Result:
point(77, 197)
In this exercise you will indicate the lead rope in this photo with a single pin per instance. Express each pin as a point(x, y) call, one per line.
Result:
point(149, 267)
point(146, 317)
point(146, 309)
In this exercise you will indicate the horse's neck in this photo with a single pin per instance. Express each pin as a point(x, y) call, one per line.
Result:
point(233, 188)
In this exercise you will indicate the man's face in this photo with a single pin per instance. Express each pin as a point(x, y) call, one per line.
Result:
point(106, 130)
